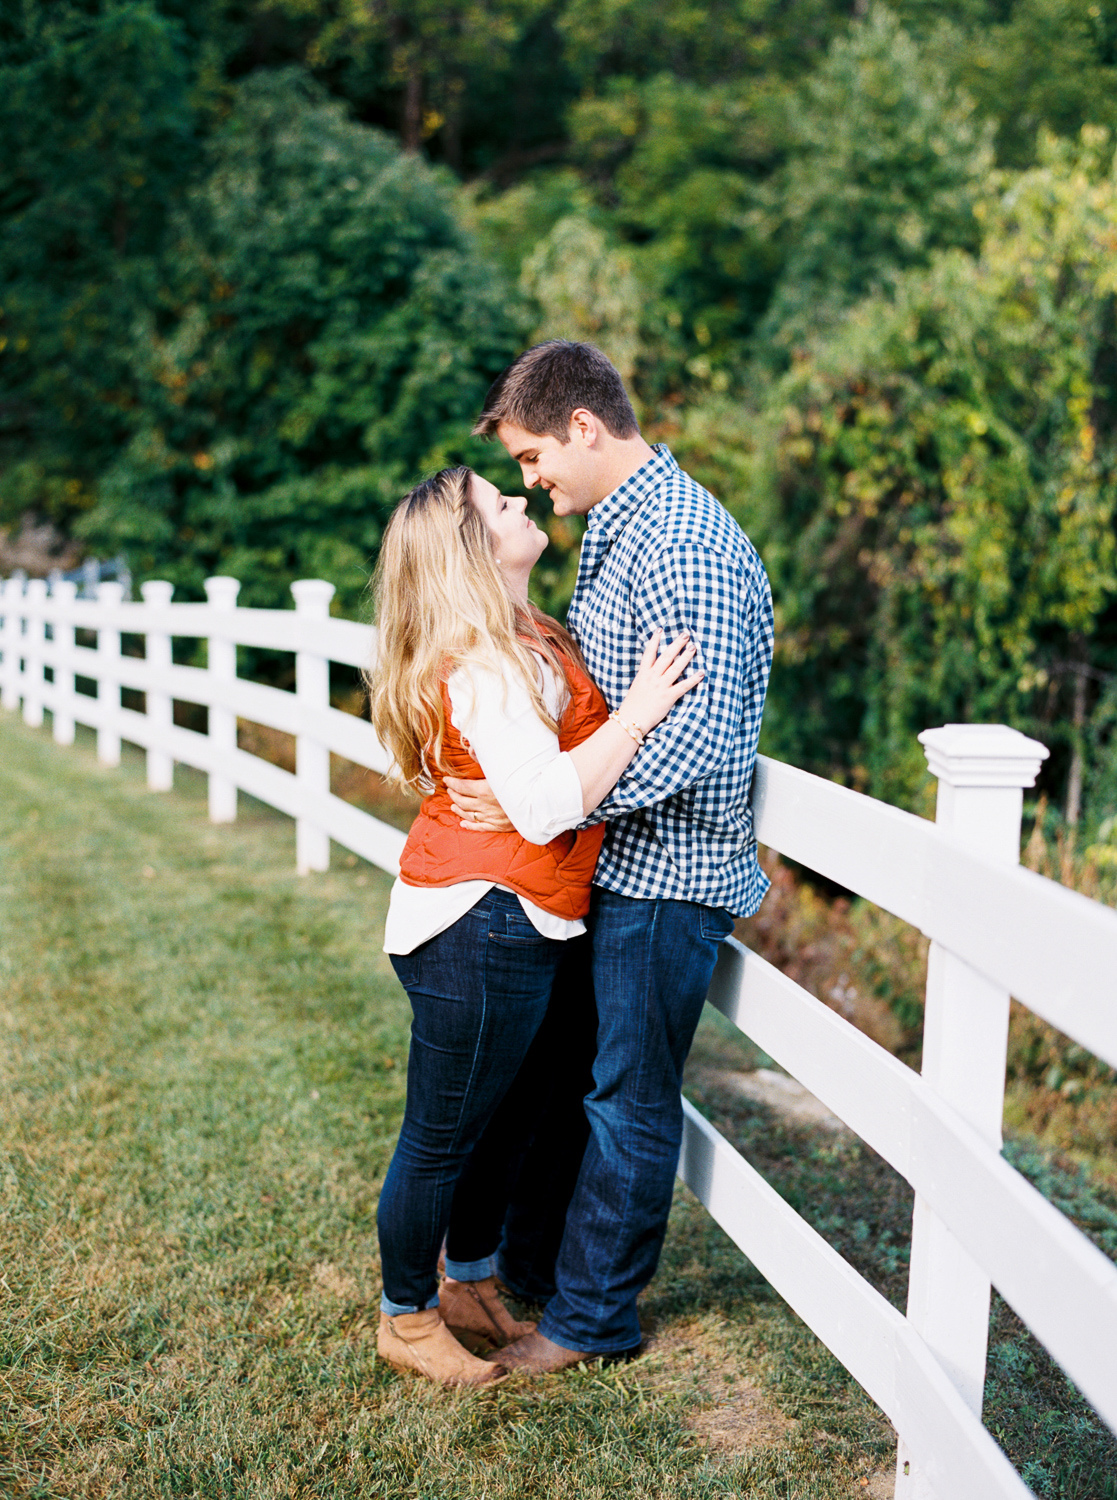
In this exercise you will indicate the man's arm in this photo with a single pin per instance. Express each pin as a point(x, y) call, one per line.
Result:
point(599, 759)
point(727, 611)
point(474, 803)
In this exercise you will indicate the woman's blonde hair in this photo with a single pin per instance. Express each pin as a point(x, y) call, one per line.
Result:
point(440, 602)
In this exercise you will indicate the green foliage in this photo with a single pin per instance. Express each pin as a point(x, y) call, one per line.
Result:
point(473, 81)
point(97, 133)
point(707, 43)
point(235, 320)
point(325, 332)
point(678, 168)
point(886, 163)
point(940, 487)
point(1030, 65)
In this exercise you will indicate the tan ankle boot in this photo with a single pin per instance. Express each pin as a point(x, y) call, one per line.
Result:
point(420, 1341)
point(474, 1313)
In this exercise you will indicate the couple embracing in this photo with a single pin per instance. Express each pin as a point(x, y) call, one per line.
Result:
point(583, 848)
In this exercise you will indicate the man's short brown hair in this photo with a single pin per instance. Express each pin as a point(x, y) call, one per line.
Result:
point(544, 386)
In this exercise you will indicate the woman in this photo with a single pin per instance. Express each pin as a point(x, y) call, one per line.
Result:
point(472, 680)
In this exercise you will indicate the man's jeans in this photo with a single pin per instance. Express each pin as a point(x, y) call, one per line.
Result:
point(652, 965)
point(479, 992)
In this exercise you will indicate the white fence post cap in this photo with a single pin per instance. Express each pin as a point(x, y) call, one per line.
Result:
point(158, 591)
point(110, 592)
point(982, 755)
point(37, 588)
point(222, 592)
point(313, 595)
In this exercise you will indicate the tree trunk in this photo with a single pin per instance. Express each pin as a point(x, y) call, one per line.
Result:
point(1074, 780)
point(412, 124)
point(452, 129)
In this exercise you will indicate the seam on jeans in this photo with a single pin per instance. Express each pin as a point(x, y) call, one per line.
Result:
point(621, 1219)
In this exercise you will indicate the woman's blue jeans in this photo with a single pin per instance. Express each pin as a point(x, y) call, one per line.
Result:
point(479, 992)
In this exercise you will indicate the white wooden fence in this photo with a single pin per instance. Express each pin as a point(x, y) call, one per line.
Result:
point(996, 930)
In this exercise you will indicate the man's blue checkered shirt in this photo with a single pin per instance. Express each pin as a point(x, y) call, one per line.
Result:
point(661, 551)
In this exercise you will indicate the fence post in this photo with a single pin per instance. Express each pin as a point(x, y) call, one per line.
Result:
point(33, 652)
point(11, 643)
point(312, 759)
point(222, 662)
point(64, 593)
point(981, 770)
point(157, 594)
point(108, 679)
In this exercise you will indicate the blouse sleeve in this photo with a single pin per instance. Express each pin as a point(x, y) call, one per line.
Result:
point(533, 780)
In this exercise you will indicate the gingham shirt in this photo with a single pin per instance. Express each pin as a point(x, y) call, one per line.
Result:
point(661, 551)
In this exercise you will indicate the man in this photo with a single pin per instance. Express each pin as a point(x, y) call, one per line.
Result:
point(679, 858)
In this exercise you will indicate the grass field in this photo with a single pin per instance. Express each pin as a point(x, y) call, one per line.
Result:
point(201, 1078)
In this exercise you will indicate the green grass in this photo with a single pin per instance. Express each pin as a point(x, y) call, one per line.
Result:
point(201, 1073)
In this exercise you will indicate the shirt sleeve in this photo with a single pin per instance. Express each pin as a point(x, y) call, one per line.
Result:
point(696, 589)
point(534, 781)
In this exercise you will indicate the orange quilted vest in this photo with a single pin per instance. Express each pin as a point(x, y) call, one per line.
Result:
point(555, 876)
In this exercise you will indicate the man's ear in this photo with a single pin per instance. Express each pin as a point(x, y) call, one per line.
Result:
point(585, 428)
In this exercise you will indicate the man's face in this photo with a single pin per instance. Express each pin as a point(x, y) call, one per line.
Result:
point(567, 471)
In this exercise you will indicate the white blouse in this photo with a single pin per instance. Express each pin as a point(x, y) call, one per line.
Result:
point(532, 779)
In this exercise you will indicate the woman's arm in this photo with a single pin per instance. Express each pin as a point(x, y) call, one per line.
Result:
point(658, 685)
point(536, 785)
point(542, 790)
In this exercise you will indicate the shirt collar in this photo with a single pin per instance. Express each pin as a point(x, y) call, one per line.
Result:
point(611, 515)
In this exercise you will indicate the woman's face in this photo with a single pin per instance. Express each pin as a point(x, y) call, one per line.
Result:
point(517, 542)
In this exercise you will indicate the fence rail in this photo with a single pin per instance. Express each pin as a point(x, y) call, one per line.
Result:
point(996, 930)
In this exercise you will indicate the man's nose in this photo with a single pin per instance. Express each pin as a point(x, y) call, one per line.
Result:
point(531, 476)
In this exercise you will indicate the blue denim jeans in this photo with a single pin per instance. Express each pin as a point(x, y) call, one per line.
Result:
point(479, 992)
point(511, 1200)
point(652, 965)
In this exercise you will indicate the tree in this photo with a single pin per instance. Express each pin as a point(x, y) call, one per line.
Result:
point(1028, 64)
point(884, 168)
point(97, 135)
point(678, 170)
point(708, 43)
point(326, 332)
point(430, 56)
point(939, 491)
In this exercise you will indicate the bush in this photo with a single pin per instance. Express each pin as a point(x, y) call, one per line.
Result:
point(325, 333)
point(936, 501)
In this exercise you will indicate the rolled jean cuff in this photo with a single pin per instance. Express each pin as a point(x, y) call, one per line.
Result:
point(471, 1270)
point(400, 1309)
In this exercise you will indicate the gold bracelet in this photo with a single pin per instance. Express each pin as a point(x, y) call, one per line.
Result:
point(633, 731)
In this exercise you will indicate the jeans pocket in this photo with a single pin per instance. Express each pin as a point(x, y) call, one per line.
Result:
point(716, 923)
point(525, 936)
point(407, 967)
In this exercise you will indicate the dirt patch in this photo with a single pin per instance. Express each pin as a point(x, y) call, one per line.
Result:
point(785, 1095)
point(741, 1424)
point(332, 1282)
point(731, 1415)
point(879, 1486)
